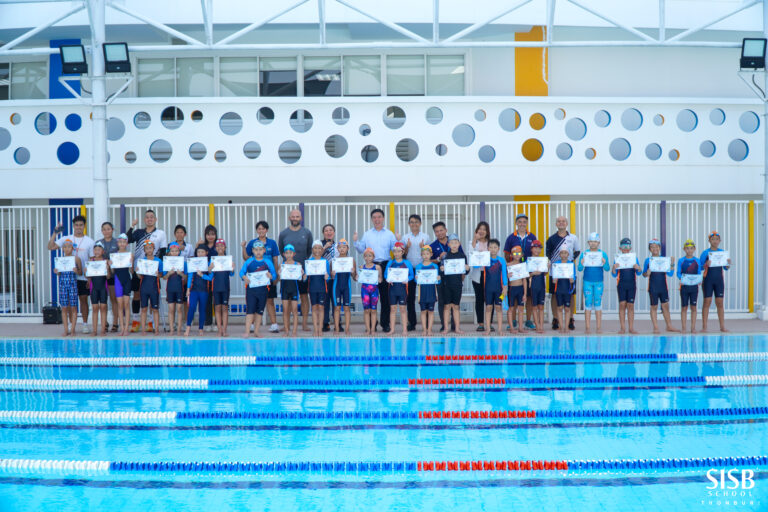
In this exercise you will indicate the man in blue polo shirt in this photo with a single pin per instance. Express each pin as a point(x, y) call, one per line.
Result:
point(524, 238)
point(271, 253)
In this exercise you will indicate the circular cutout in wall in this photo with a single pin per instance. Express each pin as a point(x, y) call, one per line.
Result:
point(394, 117)
point(463, 135)
point(73, 122)
point(369, 153)
point(172, 117)
point(486, 154)
point(45, 123)
point(619, 149)
point(575, 129)
point(738, 150)
point(21, 155)
point(537, 121)
point(289, 152)
point(230, 123)
point(301, 121)
point(687, 120)
point(115, 129)
point(707, 149)
point(434, 115)
point(532, 150)
point(142, 120)
point(130, 157)
point(564, 151)
point(509, 120)
point(68, 153)
point(265, 115)
point(160, 151)
point(632, 119)
point(653, 151)
point(602, 118)
point(252, 150)
point(340, 115)
point(197, 151)
point(407, 150)
point(336, 146)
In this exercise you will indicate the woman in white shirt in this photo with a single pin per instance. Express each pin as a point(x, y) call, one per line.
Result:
point(479, 243)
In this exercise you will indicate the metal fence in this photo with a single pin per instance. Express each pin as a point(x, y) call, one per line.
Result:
point(27, 284)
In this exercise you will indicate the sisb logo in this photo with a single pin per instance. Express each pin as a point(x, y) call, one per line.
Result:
point(733, 481)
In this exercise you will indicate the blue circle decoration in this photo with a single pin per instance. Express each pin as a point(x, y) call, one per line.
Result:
point(45, 123)
point(68, 153)
point(73, 122)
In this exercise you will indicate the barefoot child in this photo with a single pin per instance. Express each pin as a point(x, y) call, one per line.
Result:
point(198, 284)
point(537, 289)
point(255, 293)
point(398, 292)
point(563, 292)
point(174, 292)
point(342, 287)
point(289, 293)
point(452, 285)
point(427, 293)
point(593, 284)
point(495, 281)
point(369, 293)
point(626, 287)
point(657, 286)
point(689, 271)
point(317, 287)
point(518, 293)
point(123, 287)
point(149, 290)
point(68, 289)
point(713, 283)
point(99, 293)
point(221, 290)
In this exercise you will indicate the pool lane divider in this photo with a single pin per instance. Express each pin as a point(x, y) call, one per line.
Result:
point(354, 467)
point(393, 384)
point(427, 360)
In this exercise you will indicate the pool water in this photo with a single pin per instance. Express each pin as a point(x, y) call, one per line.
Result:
point(349, 423)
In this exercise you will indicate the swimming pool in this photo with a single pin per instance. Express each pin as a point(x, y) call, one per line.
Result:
point(602, 423)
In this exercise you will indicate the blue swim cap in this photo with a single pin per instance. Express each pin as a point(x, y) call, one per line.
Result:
point(289, 247)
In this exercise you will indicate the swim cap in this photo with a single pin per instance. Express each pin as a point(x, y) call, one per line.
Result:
point(536, 243)
point(317, 242)
point(221, 241)
point(688, 243)
point(625, 241)
point(453, 236)
point(593, 237)
point(173, 244)
point(342, 241)
point(426, 248)
point(289, 247)
point(123, 236)
point(516, 250)
point(369, 251)
point(399, 245)
point(654, 241)
point(149, 242)
point(98, 244)
point(713, 233)
point(260, 244)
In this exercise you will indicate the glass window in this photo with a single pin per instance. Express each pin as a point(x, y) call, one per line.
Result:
point(322, 76)
point(156, 77)
point(278, 76)
point(362, 75)
point(29, 80)
point(238, 76)
point(445, 75)
point(5, 81)
point(405, 75)
point(194, 77)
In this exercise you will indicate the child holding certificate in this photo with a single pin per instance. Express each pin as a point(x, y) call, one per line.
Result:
point(68, 288)
point(563, 291)
point(537, 289)
point(427, 293)
point(518, 291)
point(657, 285)
point(149, 289)
point(255, 292)
point(452, 284)
point(174, 291)
point(317, 287)
point(689, 273)
point(342, 287)
point(593, 281)
point(99, 294)
point(713, 283)
point(494, 284)
point(221, 290)
point(123, 285)
point(626, 287)
point(398, 291)
point(289, 291)
point(197, 293)
point(369, 292)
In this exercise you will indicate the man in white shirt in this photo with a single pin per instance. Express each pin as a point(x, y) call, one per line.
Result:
point(413, 241)
point(139, 236)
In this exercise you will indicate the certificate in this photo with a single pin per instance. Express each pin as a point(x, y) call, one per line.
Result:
point(519, 271)
point(96, 268)
point(397, 275)
point(120, 259)
point(197, 264)
point(426, 276)
point(625, 260)
point(718, 259)
point(290, 272)
point(691, 279)
point(343, 264)
point(222, 263)
point(315, 267)
point(173, 263)
point(562, 271)
point(480, 259)
point(592, 258)
point(660, 264)
point(454, 266)
point(147, 267)
point(64, 263)
point(256, 279)
point(538, 264)
point(368, 276)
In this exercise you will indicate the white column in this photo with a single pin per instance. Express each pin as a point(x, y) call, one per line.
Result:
point(99, 111)
point(764, 311)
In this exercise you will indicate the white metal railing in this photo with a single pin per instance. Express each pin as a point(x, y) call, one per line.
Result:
point(26, 283)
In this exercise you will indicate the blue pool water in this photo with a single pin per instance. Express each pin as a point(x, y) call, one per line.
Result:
point(377, 386)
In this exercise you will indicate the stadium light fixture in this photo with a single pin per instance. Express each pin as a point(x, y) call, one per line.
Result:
point(116, 58)
point(753, 53)
point(73, 60)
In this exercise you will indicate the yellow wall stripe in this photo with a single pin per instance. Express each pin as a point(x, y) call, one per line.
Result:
point(531, 64)
point(751, 256)
point(211, 214)
point(392, 217)
point(572, 219)
point(83, 213)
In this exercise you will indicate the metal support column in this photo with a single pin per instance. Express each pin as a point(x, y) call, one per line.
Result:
point(99, 110)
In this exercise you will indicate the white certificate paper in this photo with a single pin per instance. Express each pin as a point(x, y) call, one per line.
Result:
point(120, 259)
point(290, 272)
point(562, 271)
point(660, 264)
point(718, 259)
point(592, 259)
point(343, 264)
point(397, 275)
point(538, 264)
point(691, 279)
point(256, 279)
point(454, 266)
point(96, 268)
point(222, 263)
point(173, 263)
point(197, 264)
point(64, 263)
point(626, 260)
point(148, 267)
point(315, 267)
point(426, 276)
point(368, 276)
point(480, 259)
point(518, 271)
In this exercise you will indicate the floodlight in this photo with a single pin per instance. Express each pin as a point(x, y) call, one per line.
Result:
point(753, 53)
point(73, 60)
point(116, 58)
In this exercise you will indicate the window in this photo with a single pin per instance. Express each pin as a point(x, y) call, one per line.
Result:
point(362, 75)
point(156, 77)
point(405, 75)
point(322, 76)
point(445, 75)
point(5, 81)
point(238, 76)
point(29, 80)
point(194, 77)
point(278, 76)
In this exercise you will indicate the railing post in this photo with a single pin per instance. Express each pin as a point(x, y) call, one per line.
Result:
point(211, 214)
point(663, 227)
point(751, 256)
point(301, 209)
point(83, 212)
point(392, 217)
point(572, 215)
point(482, 210)
point(122, 218)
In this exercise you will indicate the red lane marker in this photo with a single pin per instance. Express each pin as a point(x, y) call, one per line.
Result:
point(493, 465)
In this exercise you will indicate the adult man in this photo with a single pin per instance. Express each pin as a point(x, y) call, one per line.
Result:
point(301, 239)
point(413, 242)
point(381, 241)
point(439, 250)
point(329, 252)
point(271, 253)
point(83, 245)
point(523, 238)
point(138, 237)
point(562, 239)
